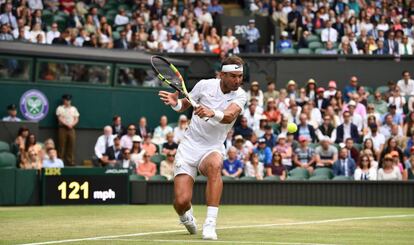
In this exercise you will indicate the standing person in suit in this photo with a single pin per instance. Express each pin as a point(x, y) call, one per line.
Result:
point(344, 166)
point(117, 127)
point(390, 45)
point(143, 130)
point(347, 130)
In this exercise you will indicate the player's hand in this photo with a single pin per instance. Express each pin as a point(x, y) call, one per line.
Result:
point(168, 98)
point(203, 112)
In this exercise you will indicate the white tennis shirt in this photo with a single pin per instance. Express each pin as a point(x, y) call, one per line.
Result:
point(212, 133)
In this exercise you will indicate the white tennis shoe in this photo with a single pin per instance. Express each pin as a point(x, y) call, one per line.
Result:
point(209, 230)
point(191, 223)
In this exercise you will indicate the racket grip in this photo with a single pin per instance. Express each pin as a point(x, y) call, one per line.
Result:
point(196, 105)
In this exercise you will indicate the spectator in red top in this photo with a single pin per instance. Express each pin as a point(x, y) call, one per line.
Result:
point(147, 168)
point(67, 5)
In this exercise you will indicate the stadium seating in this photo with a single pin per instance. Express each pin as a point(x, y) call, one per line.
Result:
point(135, 177)
point(158, 177)
point(299, 173)
point(305, 51)
point(325, 172)
point(201, 178)
point(248, 178)
point(315, 45)
point(342, 178)
point(272, 178)
point(4, 147)
point(7, 160)
point(227, 178)
point(288, 51)
point(319, 177)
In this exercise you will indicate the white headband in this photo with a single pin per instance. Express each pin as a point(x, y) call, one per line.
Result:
point(232, 67)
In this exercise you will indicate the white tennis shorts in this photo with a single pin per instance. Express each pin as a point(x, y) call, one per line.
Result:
point(190, 155)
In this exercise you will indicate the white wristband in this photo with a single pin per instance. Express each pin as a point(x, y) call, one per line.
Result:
point(178, 106)
point(218, 115)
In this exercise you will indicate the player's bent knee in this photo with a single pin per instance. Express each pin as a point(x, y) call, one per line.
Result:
point(182, 202)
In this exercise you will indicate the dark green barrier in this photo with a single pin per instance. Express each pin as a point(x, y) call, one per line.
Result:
point(27, 187)
point(7, 187)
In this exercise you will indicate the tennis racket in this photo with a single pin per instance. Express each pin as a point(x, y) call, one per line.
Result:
point(169, 74)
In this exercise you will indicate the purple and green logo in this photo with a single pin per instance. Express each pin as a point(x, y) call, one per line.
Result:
point(34, 105)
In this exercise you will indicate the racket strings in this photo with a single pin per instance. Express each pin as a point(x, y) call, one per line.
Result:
point(167, 72)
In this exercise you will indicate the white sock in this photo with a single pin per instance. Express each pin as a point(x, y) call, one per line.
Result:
point(212, 213)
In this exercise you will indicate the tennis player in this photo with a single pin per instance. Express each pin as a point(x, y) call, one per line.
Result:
point(202, 149)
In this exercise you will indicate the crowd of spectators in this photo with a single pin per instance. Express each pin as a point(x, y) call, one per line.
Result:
point(358, 133)
point(327, 27)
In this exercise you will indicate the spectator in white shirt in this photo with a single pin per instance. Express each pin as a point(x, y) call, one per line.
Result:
point(36, 30)
point(159, 34)
point(378, 139)
point(53, 33)
point(406, 84)
point(121, 18)
point(104, 141)
point(170, 45)
point(205, 19)
point(7, 17)
point(329, 33)
point(21, 25)
point(35, 4)
point(253, 118)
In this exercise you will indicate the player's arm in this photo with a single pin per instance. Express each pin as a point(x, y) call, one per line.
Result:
point(225, 117)
point(172, 100)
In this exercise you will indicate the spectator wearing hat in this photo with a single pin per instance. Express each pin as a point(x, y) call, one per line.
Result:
point(305, 129)
point(263, 151)
point(320, 101)
point(271, 92)
point(350, 89)
point(243, 129)
point(347, 129)
point(68, 118)
point(406, 84)
point(137, 152)
point(304, 156)
point(388, 171)
point(326, 154)
point(256, 92)
point(331, 92)
point(104, 141)
point(285, 150)
point(242, 147)
point(345, 165)
point(232, 166)
point(180, 129)
point(117, 127)
point(291, 89)
point(11, 114)
point(252, 36)
point(311, 89)
point(284, 42)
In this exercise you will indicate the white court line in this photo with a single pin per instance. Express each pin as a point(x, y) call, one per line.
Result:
point(204, 241)
point(225, 228)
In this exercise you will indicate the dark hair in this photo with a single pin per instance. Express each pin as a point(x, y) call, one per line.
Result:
point(115, 117)
point(405, 71)
point(27, 143)
point(360, 161)
point(280, 158)
point(21, 130)
point(233, 60)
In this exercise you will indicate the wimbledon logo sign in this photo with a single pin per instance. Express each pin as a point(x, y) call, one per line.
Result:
point(34, 105)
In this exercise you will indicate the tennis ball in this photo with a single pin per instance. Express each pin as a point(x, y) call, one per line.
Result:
point(292, 128)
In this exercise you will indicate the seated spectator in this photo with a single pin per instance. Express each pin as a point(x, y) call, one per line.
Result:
point(399, 164)
point(125, 162)
point(263, 151)
point(137, 152)
point(256, 92)
point(252, 116)
point(344, 166)
point(11, 114)
point(269, 137)
point(276, 167)
point(126, 140)
point(121, 18)
point(388, 171)
point(161, 131)
point(326, 154)
point(232, 166)
point(104, 141)
point(170, 45)
point(149, 147)
point(53, 33)
point(122, 42)
point(35, 31)
point(305, 129)
point(31, 160)
point(147, 168)
point(408, 128)
point(143, 128)
point(113, 154)
point(52, 161)
point(332, 91)
point(227, 40)
point(405, 46)
point(326, 129)
point(242, 148)
point(304, 156)
point(263, 122)
point(329, 33)
point(243, 129)
point(390, 146)
point(48, 144)
point(406, 84)
point(170, 146)
point(271, 92)
point(410, 168)
point(285, 151)
point(397, 100)
point(364, 170)
point(347, 130)
point(329, 49)
point(180, 129)
point(284, 42)
point(31, 144)
point(254, 168)
point(167, 166)
point(352, 151)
